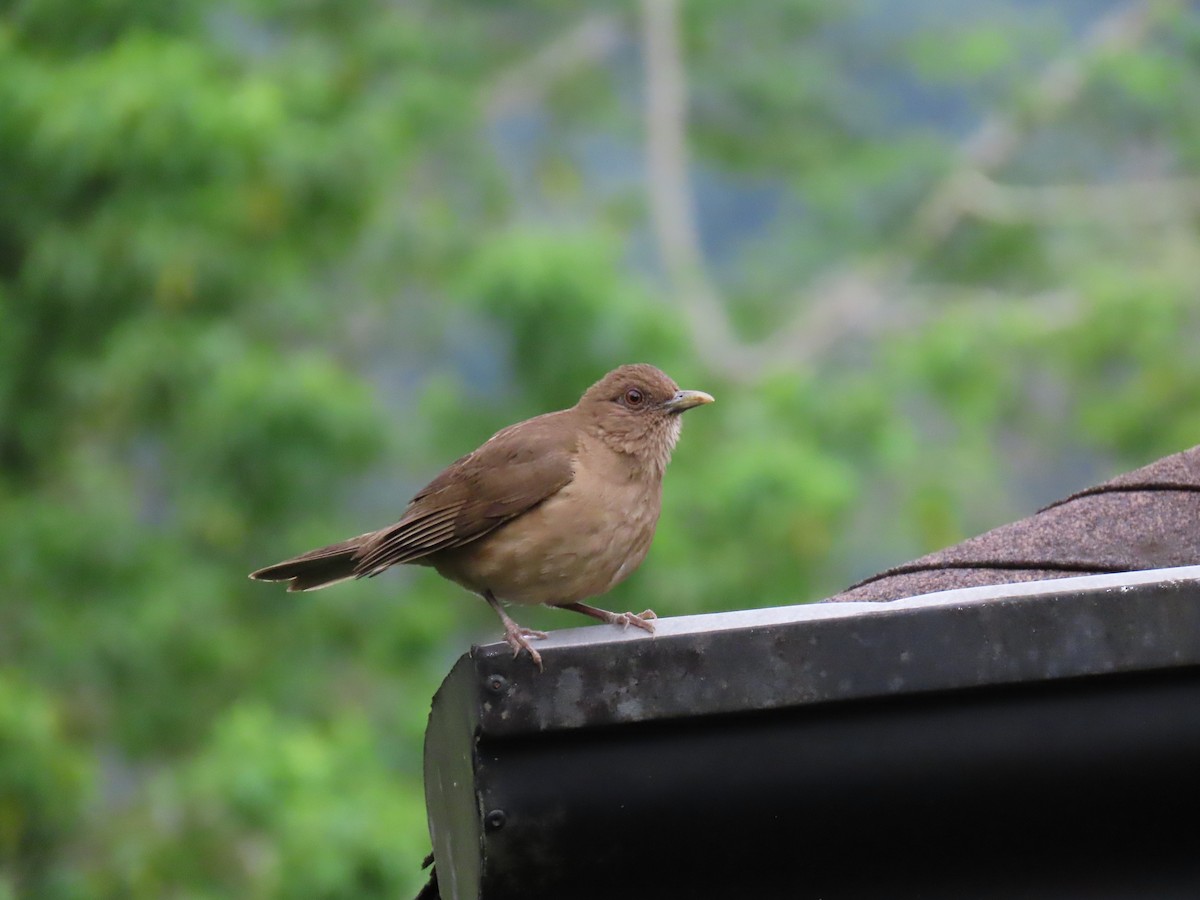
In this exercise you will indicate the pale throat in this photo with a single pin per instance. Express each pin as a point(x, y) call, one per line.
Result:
point(649, 446)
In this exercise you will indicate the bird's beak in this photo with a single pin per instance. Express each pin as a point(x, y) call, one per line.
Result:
point(686, 400)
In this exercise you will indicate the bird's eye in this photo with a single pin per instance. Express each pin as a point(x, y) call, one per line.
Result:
point(634, 397)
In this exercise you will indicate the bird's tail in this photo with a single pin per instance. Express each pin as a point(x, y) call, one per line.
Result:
point(317, 568)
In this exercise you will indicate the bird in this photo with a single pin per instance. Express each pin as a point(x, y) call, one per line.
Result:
point(552, 511)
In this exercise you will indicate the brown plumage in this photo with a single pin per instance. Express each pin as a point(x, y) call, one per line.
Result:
point(552, 510)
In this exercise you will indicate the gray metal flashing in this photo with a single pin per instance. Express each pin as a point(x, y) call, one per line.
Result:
point(1033, 740)
point(763, 659)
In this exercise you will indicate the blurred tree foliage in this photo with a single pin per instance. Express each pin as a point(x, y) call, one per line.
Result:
point(264, 267)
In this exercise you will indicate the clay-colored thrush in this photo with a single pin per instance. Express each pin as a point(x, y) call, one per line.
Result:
point(552, 510)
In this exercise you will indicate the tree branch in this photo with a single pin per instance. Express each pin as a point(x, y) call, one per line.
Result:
point(590, 40)
point(999, 136)
point(672, 212)
point(849, 299)
point(1144, 202)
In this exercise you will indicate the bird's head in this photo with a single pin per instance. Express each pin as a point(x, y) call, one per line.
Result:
point(635, 409)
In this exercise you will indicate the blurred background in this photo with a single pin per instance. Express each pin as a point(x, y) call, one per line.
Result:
point(266, 267)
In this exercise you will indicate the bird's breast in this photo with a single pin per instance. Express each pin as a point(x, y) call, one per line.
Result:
point(577, 544)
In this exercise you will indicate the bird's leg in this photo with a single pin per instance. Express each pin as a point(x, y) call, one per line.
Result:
point(625, 619)
point(517, 636)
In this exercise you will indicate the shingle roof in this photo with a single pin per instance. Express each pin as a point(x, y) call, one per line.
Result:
point(1145, 519)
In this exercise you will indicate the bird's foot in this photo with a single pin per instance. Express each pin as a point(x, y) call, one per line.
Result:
point(517, 637)
point(642, 620)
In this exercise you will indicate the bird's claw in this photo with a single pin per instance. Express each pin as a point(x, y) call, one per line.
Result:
point(642, 620)
point(518, 637)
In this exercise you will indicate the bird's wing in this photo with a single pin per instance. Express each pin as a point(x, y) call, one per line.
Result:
point(514, 471)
